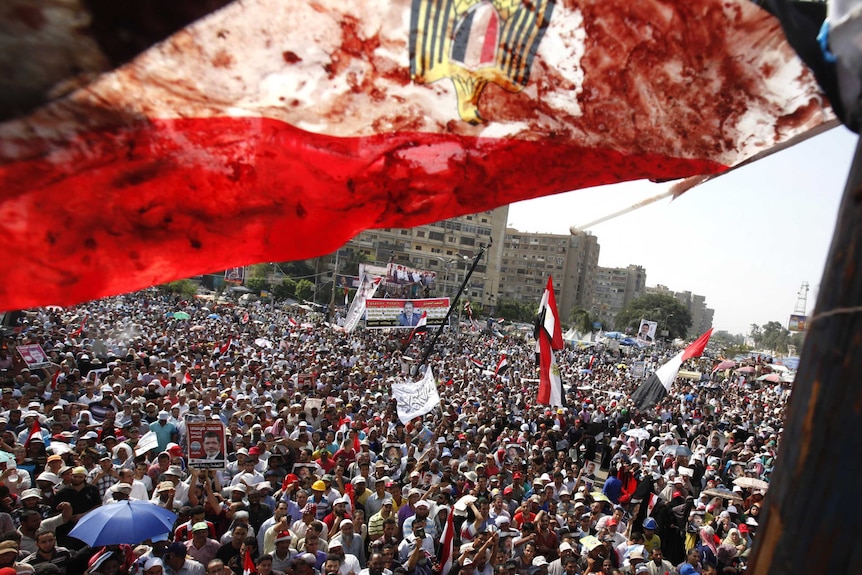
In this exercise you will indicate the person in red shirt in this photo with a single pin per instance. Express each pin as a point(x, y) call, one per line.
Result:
point(527, 512)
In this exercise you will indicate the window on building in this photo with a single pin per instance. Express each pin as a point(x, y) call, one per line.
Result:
point(465, 241)
point(438, 236)
point(420, 233)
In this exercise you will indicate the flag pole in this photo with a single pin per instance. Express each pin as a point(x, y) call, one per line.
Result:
point(453, 304)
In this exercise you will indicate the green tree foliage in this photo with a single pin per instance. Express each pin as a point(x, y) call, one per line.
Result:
point(297, 269)
point(185, 288)
point(284, 290)
point(583, 320)
point(516, 311)
point(304, 290)
point(351, 266)
point(256, 283)
point(775, 337)
point(666, 310)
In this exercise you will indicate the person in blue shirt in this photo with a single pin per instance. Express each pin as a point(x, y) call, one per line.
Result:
point(165, 431)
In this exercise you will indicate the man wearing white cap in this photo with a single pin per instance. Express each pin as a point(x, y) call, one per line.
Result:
point(348, 563)
point(166, 432)
point(353, 544)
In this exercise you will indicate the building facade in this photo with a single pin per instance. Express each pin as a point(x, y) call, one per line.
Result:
point(614, 288)
point(701, 316)
point(447, 248)
point(528, 259)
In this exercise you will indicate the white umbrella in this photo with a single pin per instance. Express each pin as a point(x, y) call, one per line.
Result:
point(751, 483)
point(263, 342)
point(638, 433)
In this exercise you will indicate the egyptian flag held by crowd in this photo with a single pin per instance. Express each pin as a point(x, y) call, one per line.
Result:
point(274, 130)
point(549, 338)
point(657, 385)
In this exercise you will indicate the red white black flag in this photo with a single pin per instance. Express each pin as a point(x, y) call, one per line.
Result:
point(549, 338)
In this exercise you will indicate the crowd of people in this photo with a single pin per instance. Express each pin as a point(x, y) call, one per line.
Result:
point(323, 479)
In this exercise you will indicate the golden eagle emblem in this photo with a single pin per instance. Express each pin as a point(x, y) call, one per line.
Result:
point(474, 42)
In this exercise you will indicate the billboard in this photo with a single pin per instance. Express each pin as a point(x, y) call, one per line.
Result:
point(399, 274)
point(34, 356)
point(206, 444)
point(405, 313)
point(646, 331)
point(798, 323)
point(234, 275)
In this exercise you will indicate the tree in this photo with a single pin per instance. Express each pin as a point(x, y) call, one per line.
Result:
point(517, 312)
point(664, 309)
point(304, 290)
point(186, 288)
point(583, 320)
point(284, 290)
point(298, 269)
point(256, 284)
point(351, 266)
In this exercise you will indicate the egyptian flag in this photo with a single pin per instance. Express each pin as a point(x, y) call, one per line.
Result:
point(657, 385)
point(35, 430)
point(447, 538)
point(421, 326)
point(502, 365)
point(549, 338)
point(187, 378)
point(476, 363)
point(55, 378)
point(244, 319)
point(276, 130)
point(292, 322)
point(224, 348)
point(248, 566)
point(80, 330)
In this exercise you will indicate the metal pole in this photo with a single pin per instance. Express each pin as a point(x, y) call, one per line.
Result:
point(452, 305)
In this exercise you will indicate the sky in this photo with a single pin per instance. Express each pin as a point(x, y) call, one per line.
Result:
point(746, 240)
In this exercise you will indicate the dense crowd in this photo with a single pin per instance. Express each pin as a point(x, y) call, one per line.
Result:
point(322, 477)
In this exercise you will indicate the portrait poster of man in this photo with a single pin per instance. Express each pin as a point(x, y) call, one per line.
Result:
point(34, 356)
point(404, 313)
point(206, 441)
point(646, 331)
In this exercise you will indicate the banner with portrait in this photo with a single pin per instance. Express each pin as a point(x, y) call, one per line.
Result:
point(206, 444)
point(646, 331)
point(34, 356)
point(405, 313)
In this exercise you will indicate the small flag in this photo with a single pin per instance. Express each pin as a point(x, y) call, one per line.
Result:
point(421, 326)
point(248, 567)
point(653, 499)
point(54, 379)
point(223, 349)
point(245, 318)
point(292, 322)
point(35, 430)
point(448, 539)
point(502, 365)
point(476, 363)
point(80, 330)
point(549, 337)
point(658, 384)
point(187, 378)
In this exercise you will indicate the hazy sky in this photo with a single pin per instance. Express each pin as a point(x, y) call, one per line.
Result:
point(746, 240)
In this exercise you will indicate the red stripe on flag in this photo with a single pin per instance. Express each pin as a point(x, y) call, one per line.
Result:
point(158, 231)
point(35, 430)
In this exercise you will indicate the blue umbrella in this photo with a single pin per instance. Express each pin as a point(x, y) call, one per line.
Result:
point(124, 522)
point(213, 316)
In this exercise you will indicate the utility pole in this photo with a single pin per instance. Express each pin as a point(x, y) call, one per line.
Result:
point(334, 285)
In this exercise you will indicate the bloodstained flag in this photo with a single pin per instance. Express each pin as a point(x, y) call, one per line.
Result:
point(276, 130)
